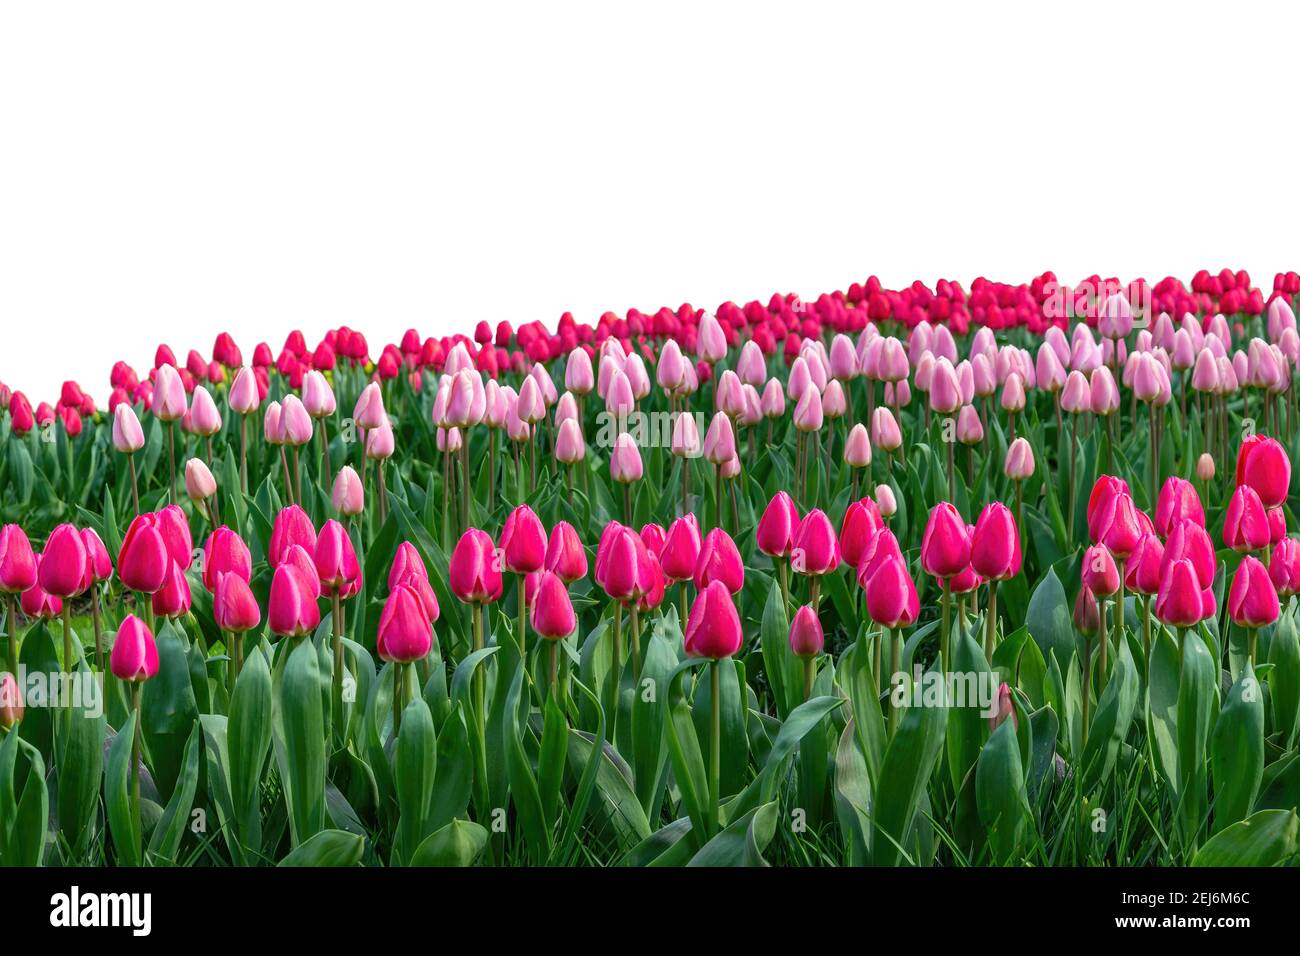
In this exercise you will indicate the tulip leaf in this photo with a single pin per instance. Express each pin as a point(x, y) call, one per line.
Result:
point(1196, 700)
point(300, 741)
point(1237, 758)
point(1284, 681)
point(1111, 720)
point(1000, 792)
point(457, 844)
point(414, 770)
point(165, 842)
point(168, 709)
point(743, 841)
point(1048, 619)
point(909, 761)
point(1266, 838)
point(523, 784)
point(327, 848)
point(248, 733)
point(122, 821)
point(81, 766)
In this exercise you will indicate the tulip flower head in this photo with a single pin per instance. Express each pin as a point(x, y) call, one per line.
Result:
point(945, 546)
point(135, 655)
point(713, 627)
point(806, 637)
point(1252, 601)
point(474, 570)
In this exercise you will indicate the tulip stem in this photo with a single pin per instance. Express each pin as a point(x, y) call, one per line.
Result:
point(99, 628)
point(948, 441)
point(990, 620)
point(715, 742)
point(13, 635)
point(616, 664)
point(944, 640)
point(809, 675)
point(399, 696)
point(1087, 679)
point(634, 610)
point(464, 468)
point(383, 494)
point(336, 625)
point(717, 497)
point(288, 483)
point(171, 462)
point(783, 569)
point(135, 486)
point(553, 655)
point(480, 703)
point(136, 687)
point(522, 636)
point(627, 503)
point(1251, 635)
point(297, 477)
point(243, 459)
point(895, 662)
point(1146, 628)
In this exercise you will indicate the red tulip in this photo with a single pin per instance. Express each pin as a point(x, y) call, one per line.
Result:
point(713, 628)
point(292, 610)
point(523, 541)
point(891, 595)
point(1252, 602)
point(1179, 603)
point(806, 637)
point(405, 633)
point(1262, 464)
point(1005, 708)
point(1245, 525)
point(565, 555)
point(17, 560)
point(143, 562)
point(1087, 613)
point(719, 560)
point(945, 546)
point(224, 553)
point(552, 610)
point(1276, 525)
point(681, 549)
point(474, 571)
point(292, 526)
point(1178, 501)
point(778, 526)
point(233, 605)
point(995, 543)
point(135, 655)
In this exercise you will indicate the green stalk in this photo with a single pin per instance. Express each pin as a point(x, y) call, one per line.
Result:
point(809, 675)
point(243, 460)
point(635, 611)
point(990, 621)
point(336, 625)
point(135, 765)
point(944, 633)
point(522, 636)
point(135, 486)
point(895, 662)
point(13, 635)
point(171, 461)
point(715, 744)
point(399, 696)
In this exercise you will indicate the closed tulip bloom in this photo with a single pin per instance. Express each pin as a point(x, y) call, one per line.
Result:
point(474, 570)
point(128, 436)
point(1142, 570)
point(686, 437)
point(885, 433)
point(135, 655)
point(379, 442)
point(945, 389)
point(1104, 392)
point(773, 399)
point(565, 555)
point(271, 425)
point(711, 341)
point(1118, 525)
point(654, 536)
point(1104, 490)
point(625, 464)
point(1004, 708)
point(1263, 464)
point(1179, 601)
point(223, 553)
point(292, 526)
point(713, 628)
point(616, 561)
point(335, 558)
point(204, 417)
point(199, 483)
point(173, 599)
point(859, 528)
point(11, 701)
point(1284, 567)
point(670, 369)
point(1205, 467)
point(292, 610)
point(404, 633)
point(348, 496)
point(719, 560)
point(295, 422)
point(720, 440)
point(885, 502)
point(1087, 613)
point(552, 610)
point(569, 445)
point(808, 412)
point(1177, 501)
point(1013, 393)
point(891, 594)
point(244, 394)
point(523, 541)
point(99, 565)
point(857, 447)
point(806, 637)
point(995, 543)
point(369, 409)
point(1276, 525)
point(317, 396)
point(1100, 574)
point(970, 430)
point(168, 395)
point(233, 605)
point(62, 571)
point(406, 562)
point(681, 549)
point(816, 548)
point(579, 377)
point(945, 546)
point(1190, 541)
point(778, 526)
point(1252, 602)
point(38, 603)
point(1245, 525)
point(1019, 464)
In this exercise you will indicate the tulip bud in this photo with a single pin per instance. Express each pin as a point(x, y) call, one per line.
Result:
point(204, 417)
point(11, 701)
point(1180, 601)
point(816, 549)
point(292, 610)
point(945, 546)
point(1005, 708)
point(857, 447)
point(199, 483)
point(681, 549)
point(62, 570)
point(1245, 524)
point(778, 526)
point(686, 436)
point(625, 464)
point(173, 599)
point(523, 541)
point(552, 610)
point(1087, 613)
point(244, 394)
point(168, 395)
point(233, 605)
point(405, 633)
point(806, 637)
point(885, 501)
point(1019, 464)
point(1205, 467)
point(223, 553)
point(995, 543)
point(128, 436)
point(348, 496)
point(1263, 465)
point(570, 447)
point(1100, 574)
point(1252, 602)
point(135, 655)
point(719, 560)
point(565, 556)
point(474, 570)
point(336, 560)
point(891, 594)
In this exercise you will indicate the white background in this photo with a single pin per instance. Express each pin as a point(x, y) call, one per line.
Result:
point(169, 169)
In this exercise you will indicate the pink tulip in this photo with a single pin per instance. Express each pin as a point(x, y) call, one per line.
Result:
point(223, 553)
point(348, 496)
point(292, 610)
point(317, 396)
point(474, 570)
point(806, 637)
point(713, 628)
point(778, 526)
point(244, 396)
point(336, 560)
point(1142, 570)
point(625, 464)
point(135, 655)
point(1087, 612)
point(199, 483)
point(233, 605)
point(295, 423)
point(1179, 602)
point(1005, 708)
point(816, 548)
point(11, 701)
point(523, 541)
point(891, 595)
point(173, 599)
point(405, 633)
point(143, 562)
point(1099, 573)
point(1245, 524)
point(945, 546)
point(857, 447)
point(62, 570)
point(292, 526)
point(1252, 602)
point(204, 417)
point(1177, 501)
point(1263, 464)
point(1284, 567)
point(578, 375)
point(885, 433)
point(552, 610)
point(861, 524)
point(719, 440)
point(168, 395)
point(970, 430)
point(128, 436)
point(944, 388)
point(995, 544)
point(719, 560)
point(1019, 464)
point(565, 555)
point(809, 414)
point(99, 565)
point(569, 445)
point(681, 549)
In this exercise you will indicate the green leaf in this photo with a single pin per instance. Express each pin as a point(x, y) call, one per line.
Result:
point(300, 741)
point(81, 768)
point(248, 733)
point(1238, 750)
point(328, 848)
point(415, 768)
point(165, 842)
point(1266, 838)
point(1000, 792)
point(1196, 701)
point(168, 709)
point(457, 844)
point(743, 841)
point(523, 784)
point(1048, 619)
point(1111, 720)
point(909, 761)
point(117, 796)
point(1284, 682)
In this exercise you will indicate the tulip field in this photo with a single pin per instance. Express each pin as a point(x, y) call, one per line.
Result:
point(998, 575)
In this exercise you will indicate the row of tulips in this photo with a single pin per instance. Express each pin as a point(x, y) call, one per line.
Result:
point(380, 652)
